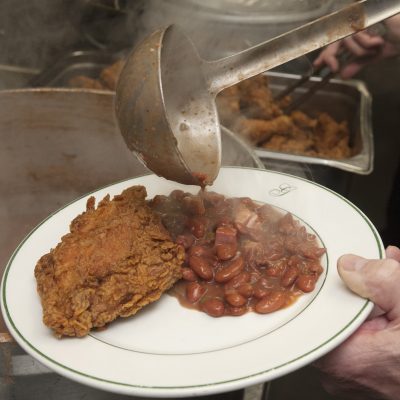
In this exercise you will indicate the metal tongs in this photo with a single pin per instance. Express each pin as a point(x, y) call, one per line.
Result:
point(343, 56)
point(165, 98)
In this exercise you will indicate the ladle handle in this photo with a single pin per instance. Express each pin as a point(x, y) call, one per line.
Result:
point(231, 70)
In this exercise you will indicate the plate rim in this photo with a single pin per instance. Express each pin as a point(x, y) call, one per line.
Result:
point(181, 390)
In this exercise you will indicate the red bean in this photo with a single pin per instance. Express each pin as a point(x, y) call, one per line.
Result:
point(254, 276)
point(188, 274)
point(194, 292)
point(177, 194)
point(310, 237)
point(276, 268)
point(213, 307)
point(287, 225)
point(292, 245)
point(274, 271)
point(235, 299)
point(246, 290)
point(275, 252)
point(237, 311)
point(306, 283)
point(186, 240)
point(226, 242)
point(197, 226)
point(198, 251)
point(273, 302)
point(226, 251)
point(266, 213)
point(232, 269)
point(312, 252)
point(289, 276)
point(225, 233)
point(319, 252)
point(264, 282)
point(201, 267)
point(236, 281)
point(159, 200)
point(260, 292)
point(194, 205)
point(313, 266)
point(294, 261)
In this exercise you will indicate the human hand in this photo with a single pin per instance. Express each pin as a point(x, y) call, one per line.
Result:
point(365, 48)
point(366, 366)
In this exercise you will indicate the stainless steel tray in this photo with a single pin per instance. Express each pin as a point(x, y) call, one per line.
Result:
point(343, 100)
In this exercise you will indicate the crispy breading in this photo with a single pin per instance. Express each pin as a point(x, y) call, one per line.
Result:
point(261, 130)
point(250, 109)
point(109, 76)
point(116, 259)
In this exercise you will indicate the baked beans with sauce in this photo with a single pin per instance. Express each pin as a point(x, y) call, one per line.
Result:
point(241, 256)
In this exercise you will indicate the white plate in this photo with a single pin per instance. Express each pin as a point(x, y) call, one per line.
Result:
point(170, 351)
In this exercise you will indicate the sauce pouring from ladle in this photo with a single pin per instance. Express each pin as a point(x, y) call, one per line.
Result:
point(165, 97)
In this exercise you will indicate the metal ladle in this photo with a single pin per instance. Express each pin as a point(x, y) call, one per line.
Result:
point(165, 98)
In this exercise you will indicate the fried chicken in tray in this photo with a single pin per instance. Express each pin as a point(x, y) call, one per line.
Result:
point(116, 259)
point(250, 110)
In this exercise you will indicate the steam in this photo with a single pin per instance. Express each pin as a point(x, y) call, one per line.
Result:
point(214, 39)
point(34, 32)
point(219, 28)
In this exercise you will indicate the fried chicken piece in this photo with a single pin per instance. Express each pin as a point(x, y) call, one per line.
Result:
point(281, 143)
point(107, 79)
point(260, 130)
point(302, 120)
point(332, 137)
point(115, 260)
point(109, 76)
point(85, 82)
point(250, 109)
point(256, 100)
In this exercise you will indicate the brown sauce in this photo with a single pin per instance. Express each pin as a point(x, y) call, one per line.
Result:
point(241, 256)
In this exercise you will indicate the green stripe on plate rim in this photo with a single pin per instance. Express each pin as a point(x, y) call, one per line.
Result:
point(10, 320)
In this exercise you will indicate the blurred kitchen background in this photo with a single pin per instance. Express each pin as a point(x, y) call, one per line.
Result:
point(45, 43)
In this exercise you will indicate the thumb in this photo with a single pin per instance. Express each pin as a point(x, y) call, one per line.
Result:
point(377, 280)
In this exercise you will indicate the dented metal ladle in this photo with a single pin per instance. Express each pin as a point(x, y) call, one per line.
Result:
point(165, 98)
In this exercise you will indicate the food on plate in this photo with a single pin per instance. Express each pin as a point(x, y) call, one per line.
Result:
point(234, 255)
point(116, 259)
point(240, 255)
point(250, 110)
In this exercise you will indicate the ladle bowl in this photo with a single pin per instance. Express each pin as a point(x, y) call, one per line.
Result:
point(165, 99)
point(157, 101)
